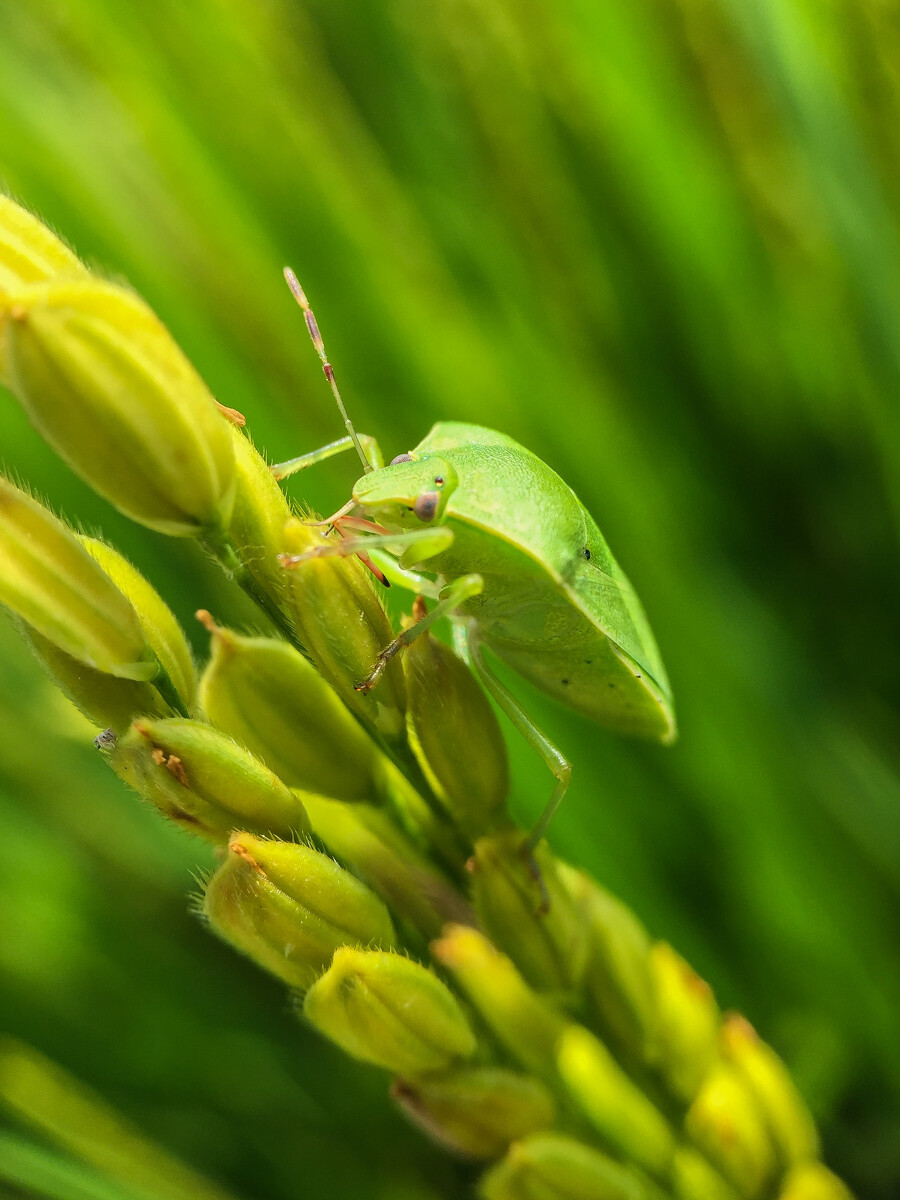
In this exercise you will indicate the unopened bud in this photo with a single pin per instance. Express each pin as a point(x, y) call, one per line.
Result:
point(366, 839)
point(107, 701)
point(476, 1111)
point(618, 976)
point(688, 1027)
point(789, 1120)
point(526, 1025)
point(104, 382)
point(29, 253)
point(448, 709)
point(204, 781)
point(268, 697)
point(694, 1179)
point(161, 628)
point(523, 907)
point(551, 1166)
point(343, 627)
point(726, 1124)
point(620, 1112)
point(813, 1181)
point(289, 907)
point(50, 581)
point(390, 1011)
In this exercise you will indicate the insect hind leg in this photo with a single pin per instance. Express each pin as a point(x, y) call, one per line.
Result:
point(554, 758)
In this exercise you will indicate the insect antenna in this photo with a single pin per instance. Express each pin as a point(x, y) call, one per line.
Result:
point(300, 296)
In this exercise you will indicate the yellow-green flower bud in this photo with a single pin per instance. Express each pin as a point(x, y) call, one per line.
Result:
point(390, 1011)
point(366, 839)
point(544, 935)
point(789, 1121)
point(258, 518)
point(289, 907)
point(528, 1027)
point(104, 382)
point(550, 1166)
point(688, 1027)
point(618, 976)
point(107, 701)
point(343, 627)
point(204, 781)
point(161, 628)
point(49, 580)
point(267, 696)
point(29, 252)
point(813, 1181)
point(446, 709)
point(624, 1116)
point(476, 1111)
point(726, 1124)
point(694, 1179)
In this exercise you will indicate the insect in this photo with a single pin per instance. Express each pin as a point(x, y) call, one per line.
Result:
point(479, 524)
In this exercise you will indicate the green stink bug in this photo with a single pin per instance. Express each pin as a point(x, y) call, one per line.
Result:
point(515, 561)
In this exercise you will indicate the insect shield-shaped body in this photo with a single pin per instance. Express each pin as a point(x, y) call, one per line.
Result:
point(513, 559)
point(554, 604)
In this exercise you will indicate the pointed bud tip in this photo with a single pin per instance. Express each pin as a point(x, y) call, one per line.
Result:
point(737, 1028)
point(206, 620)
point(237, 846)
point(456, 944)
point(223, 639)
point(232, 415)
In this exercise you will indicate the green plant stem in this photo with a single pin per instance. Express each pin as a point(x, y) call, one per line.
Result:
point(169, 692)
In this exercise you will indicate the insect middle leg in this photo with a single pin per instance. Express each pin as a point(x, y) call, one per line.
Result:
point(452, 596)
point(554, 758)
point(403, 577)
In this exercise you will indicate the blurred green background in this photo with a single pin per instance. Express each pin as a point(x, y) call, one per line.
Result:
point(654, 240)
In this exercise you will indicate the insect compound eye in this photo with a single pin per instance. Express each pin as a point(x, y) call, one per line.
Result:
point(426, 506)
point(586, 552)
point(401, 458)
point(439, 480)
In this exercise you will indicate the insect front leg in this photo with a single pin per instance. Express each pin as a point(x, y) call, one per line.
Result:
point(554, 758)
point(369, 444)
point(416, 545)
point(452, 596)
